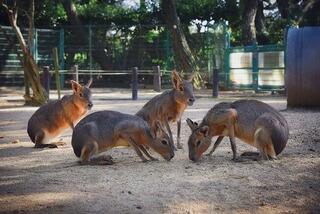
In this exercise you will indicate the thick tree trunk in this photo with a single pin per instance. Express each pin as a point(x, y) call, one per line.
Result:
point(261, 30)
point(31, 71)
point(248, 22)
point(30, 44)
point(283, 7)
point(184, 59)
point(98, 53)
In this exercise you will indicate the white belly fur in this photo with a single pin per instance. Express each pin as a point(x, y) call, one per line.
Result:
point(122, 143)
point(48, 137)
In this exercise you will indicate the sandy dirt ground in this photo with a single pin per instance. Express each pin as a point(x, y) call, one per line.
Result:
point(51, 180)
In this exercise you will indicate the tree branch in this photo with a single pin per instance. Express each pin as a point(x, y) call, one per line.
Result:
point(305, 10)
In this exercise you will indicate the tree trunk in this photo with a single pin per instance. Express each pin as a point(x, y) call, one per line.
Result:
point(30, 44)
point(98, 53)
point(262, 34)
point(29, 65)
point(283, 7)
point(248, 22)
point(184, 59)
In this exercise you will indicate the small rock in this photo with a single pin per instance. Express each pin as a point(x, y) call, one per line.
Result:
point(139, 207)
point(187, 167)
point(15, 141)
point(262, 203)
point(312, 150)
point(129, 192)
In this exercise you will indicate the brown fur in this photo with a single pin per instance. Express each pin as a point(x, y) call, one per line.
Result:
point(254, 122)
point(53, 118)
point(104, 130)
point(169, 106)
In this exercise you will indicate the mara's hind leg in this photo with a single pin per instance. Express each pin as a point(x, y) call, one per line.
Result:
point(39, 141)
point(264, 143)
point(87, 154)
point(170, 134)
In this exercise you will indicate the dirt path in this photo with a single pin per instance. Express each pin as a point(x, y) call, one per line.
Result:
point(51, 181)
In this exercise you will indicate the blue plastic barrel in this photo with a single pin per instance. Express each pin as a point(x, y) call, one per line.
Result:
point(303, 67)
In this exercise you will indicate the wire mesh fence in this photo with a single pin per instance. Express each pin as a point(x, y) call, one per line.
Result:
point(108, 53)
point(99, 49)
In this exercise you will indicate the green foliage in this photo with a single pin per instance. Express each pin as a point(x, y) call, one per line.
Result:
point(136, 36)
point(98, 12)
point(49, 14)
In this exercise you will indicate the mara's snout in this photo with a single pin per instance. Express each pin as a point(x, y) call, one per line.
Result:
point(90, 105)
point(172, 155)
point(191, 101)
point(193, 158)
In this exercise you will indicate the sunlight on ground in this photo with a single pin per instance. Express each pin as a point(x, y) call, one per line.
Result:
point(35, 201)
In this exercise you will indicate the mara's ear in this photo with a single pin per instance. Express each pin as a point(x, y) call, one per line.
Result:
point(191, 124)
point(76, 87)
point(176, 80)
point(89, 83)
point(204, 130)
point(153, 134)
point(160, 127)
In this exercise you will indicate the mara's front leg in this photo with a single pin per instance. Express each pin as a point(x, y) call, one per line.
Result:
point(179, 146)
point(216, 144)
point(136, 147)
point(166, 123)
point(232, 138)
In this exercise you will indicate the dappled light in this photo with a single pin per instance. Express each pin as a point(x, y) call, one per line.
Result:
point(34, 202)
point(167, 106)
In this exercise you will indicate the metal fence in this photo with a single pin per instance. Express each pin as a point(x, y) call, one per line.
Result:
point(112, 48)
point(255, 67)
point(100, 51)
point(44, 40)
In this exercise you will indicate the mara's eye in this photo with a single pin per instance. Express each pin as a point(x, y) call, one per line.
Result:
point(181, 88)
point(80, 94)
point(164, 142)
point(198, 143)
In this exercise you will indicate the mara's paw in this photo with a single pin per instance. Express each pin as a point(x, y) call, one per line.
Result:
point(52, 146)
point(102, 160)
point(59, 143)
point(237, 159)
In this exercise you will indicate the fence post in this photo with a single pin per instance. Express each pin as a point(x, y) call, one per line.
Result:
point(227, 52)
point(45, 80)
point(255, 69)
point(76, 73)
point(134, 83)
point(215, 83)
point(90, 50)
point(156, 78)
point(61, 55)
point(56, 70)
